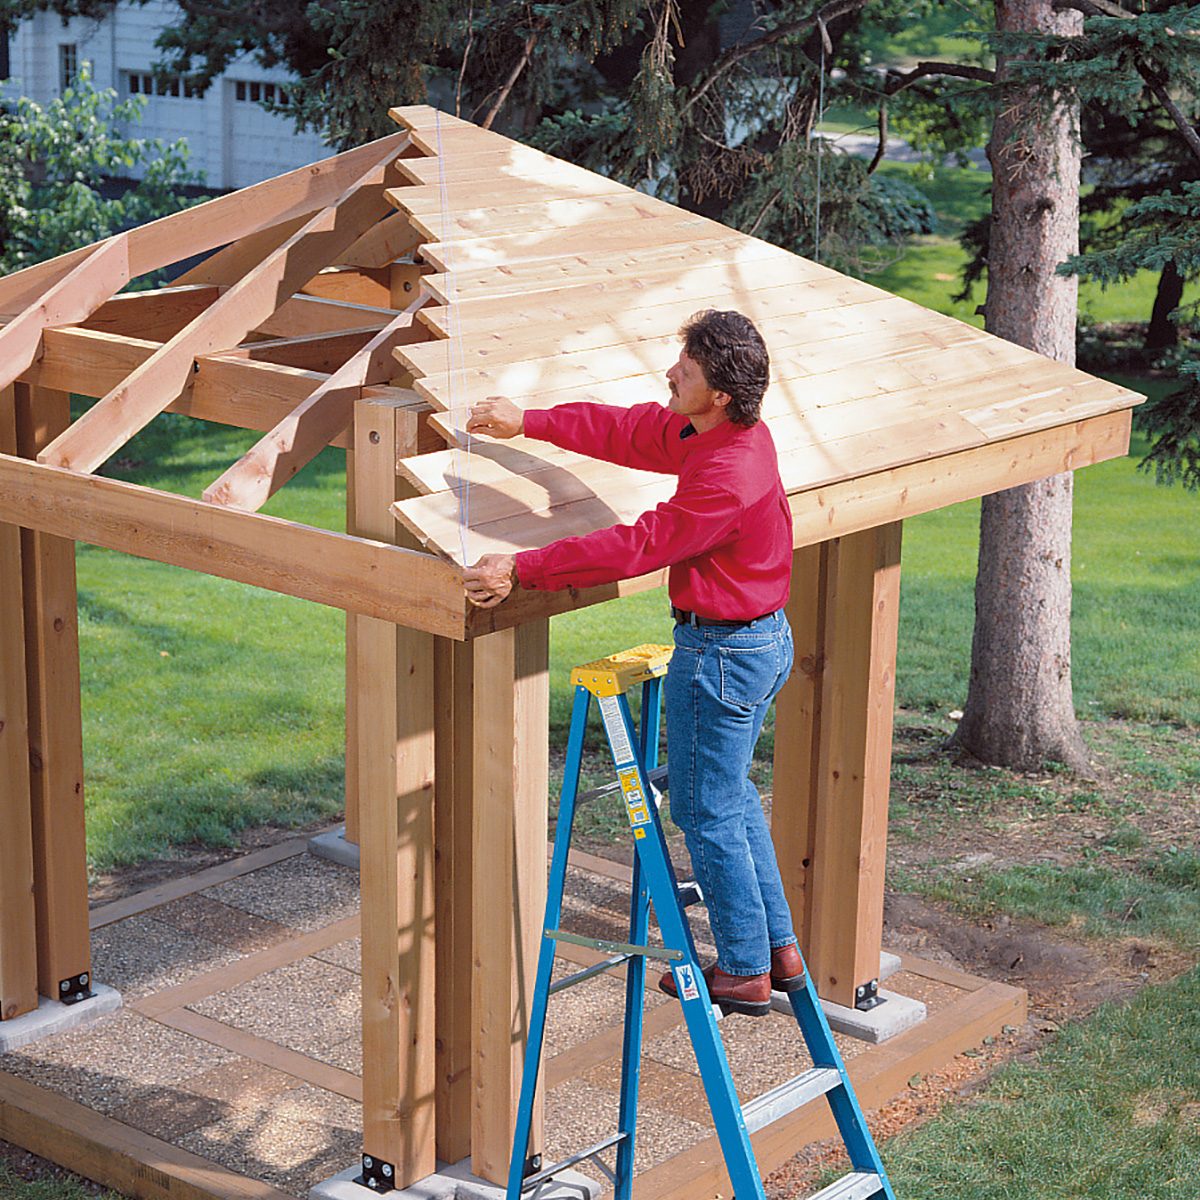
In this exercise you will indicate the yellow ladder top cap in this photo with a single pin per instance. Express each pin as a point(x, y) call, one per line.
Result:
point(619, 672)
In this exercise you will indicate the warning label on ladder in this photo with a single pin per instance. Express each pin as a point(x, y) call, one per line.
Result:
point(635, 798)
point(614, 726)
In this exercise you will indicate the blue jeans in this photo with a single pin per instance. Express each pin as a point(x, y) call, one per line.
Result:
point(720, 683)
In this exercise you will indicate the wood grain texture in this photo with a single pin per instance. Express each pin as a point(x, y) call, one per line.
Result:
point(130, 406)
point(396, 728)
point(312, 424)
point(60, 875)
point(18, 942)
point(355, 574)
point(798, 737)
point(112, 1154)
point(510, 777)
point(454, 712)
point(854, 739)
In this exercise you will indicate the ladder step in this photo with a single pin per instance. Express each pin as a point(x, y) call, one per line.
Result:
point(532, 1181)
point(576, 939)
point(589, 972)
point(658, 777)
point(787, 1097)
point(861, 1185)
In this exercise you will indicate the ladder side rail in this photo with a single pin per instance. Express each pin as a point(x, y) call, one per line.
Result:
point(635, 972)
point(693, 992)
point(843, 1103)
point(545, 969)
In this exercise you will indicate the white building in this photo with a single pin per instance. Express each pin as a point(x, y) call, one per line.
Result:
point(233, 139)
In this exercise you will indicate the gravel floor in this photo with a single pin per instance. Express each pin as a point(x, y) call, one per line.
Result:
point(271, 1126)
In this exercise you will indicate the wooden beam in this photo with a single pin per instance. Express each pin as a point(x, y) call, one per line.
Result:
point(227, 390)
point(103, 273)
point(18, 942)
point(355, 285)
point(355, 574)
point(112, 1154)
point(152, 316)
point(55, 724)
point(215, 223)
point(316, 314)
point(396, 824)
point(110, 423)
point(453, 891)
point(307, 430)
point(312, 351)
point(383, 243)
point(797, 737)
point(227, 265)
point(510, 772)
point(861, 617)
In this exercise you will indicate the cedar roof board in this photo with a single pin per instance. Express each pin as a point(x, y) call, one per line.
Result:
point(555, 283)
point(560, 285)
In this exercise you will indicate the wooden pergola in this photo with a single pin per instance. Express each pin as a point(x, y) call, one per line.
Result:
point(366, 302)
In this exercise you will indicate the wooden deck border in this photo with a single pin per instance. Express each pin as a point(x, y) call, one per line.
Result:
point(189, 885)
point(146, 1168)
point(115, 1155)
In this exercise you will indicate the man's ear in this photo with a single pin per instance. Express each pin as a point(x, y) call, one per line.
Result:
point(722, 399)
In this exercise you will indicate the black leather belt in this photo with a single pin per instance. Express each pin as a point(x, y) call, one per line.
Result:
point(683, 617)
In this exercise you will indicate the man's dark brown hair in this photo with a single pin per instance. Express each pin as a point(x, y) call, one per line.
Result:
point(731, 353)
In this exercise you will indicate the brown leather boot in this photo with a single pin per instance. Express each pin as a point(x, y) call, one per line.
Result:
point(746, 994)
point(787, 969)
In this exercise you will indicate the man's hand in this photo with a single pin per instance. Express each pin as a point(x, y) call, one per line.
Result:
point(490, 580)
point(497, 416)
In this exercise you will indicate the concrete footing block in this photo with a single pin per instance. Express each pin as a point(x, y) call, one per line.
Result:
point(52, 1016)
point(455, 1183)
point(333, 846)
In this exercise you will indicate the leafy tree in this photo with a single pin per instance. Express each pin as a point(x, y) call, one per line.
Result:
point(669, 96)
point(55, 164)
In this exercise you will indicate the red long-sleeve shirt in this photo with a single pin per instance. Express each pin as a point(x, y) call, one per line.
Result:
point(726, 533)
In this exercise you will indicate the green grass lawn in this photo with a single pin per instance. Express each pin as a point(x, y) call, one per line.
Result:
point(1110, 1110)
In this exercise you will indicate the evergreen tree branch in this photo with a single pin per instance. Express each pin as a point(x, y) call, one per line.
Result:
point(1153, 79)
point(882, 147)
point(734, 55)
point(1158, 87)
point(514, 75)
point(923, 70)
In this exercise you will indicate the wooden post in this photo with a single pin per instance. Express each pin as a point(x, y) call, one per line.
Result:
point(454, 714)
point(352, 750)
point(18, 939)
point(395, 705)
point(861, 589)
point(511, 770)
point(55, 724)
point(797, 737)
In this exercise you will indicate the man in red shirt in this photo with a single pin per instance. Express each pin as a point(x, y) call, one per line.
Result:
point(726, 534)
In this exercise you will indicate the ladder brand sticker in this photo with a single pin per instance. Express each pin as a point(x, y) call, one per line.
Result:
point(635, 798)
point(685, 982)
point(614, 726)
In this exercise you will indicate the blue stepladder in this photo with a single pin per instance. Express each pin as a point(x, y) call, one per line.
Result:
point(635, 757)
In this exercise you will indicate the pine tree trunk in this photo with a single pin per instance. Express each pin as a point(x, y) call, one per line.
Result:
point(1162, 332)
point(1019, 710)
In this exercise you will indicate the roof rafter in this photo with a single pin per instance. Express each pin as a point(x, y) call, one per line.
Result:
point(306, 431)
point(103, 429)
point(83, 289)
point(214, 223)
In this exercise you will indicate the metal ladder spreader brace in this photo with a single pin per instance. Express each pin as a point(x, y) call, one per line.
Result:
point(635, 756)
